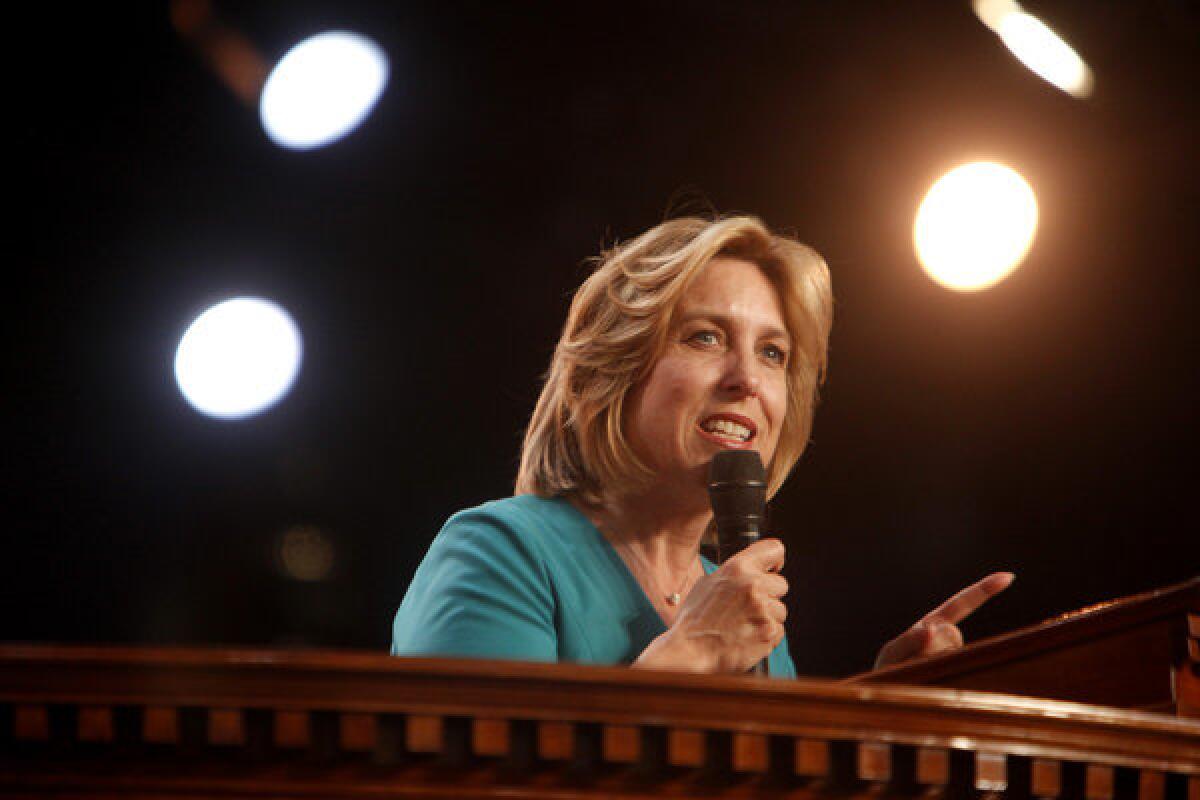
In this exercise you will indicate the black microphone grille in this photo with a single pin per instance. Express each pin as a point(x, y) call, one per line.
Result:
point(737, 489)
point(736, 467)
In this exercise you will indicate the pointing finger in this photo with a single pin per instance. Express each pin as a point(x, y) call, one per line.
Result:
point(961, 605)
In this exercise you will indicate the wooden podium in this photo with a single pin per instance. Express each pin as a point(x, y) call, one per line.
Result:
point(1136, 652)
point(153, 722)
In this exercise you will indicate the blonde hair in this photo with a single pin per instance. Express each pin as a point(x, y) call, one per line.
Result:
point(617, 328)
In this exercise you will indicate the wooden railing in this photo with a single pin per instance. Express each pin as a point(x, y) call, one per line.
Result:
point(108, 721)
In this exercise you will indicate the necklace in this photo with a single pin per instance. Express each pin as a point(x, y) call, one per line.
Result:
point(671, 598)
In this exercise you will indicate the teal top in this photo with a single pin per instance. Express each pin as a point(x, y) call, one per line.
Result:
point(531, 579)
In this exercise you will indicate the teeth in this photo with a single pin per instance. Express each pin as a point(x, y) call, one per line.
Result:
point(728, 427)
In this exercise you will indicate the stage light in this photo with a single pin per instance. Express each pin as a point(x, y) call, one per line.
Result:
point(322, 89)
point(975, 226)
point(238, 358)
point(1036, 46)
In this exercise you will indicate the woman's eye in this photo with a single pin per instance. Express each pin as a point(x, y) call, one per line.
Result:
point(704, 337)
point(776, 354)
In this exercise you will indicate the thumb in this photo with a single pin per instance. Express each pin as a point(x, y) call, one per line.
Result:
point(943, 637)
point(766, 555)
point(912, 642)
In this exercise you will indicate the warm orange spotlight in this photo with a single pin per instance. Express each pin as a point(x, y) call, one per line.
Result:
point(1036, 46)
point(975, 226)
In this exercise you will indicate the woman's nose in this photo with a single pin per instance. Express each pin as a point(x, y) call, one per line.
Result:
point(741, 374)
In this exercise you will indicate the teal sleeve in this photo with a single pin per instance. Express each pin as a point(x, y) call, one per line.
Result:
point(780, 662)
point(481, 591)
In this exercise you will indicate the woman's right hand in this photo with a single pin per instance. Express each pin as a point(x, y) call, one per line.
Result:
point(731, 619)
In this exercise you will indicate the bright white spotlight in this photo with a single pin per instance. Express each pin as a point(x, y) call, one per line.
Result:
point(238, 358)
point(975, 226)
point(1036, 46)
point(322, 89)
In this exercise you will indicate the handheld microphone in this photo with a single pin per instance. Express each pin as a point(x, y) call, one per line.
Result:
point(737, 489)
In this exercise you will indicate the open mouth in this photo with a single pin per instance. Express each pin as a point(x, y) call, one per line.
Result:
point(729, 430)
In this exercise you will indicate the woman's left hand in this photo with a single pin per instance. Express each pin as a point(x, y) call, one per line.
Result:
point(937, 631)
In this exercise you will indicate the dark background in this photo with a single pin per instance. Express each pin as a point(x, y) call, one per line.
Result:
point(1045, 426)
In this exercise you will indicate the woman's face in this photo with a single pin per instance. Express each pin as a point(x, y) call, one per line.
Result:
point(721, 382)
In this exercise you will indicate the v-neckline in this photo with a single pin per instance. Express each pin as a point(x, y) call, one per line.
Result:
point(602, 544)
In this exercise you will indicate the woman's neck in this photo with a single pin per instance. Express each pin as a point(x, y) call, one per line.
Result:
point(664, 536)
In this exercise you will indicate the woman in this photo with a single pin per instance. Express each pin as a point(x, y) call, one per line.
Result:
point(694, 337)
